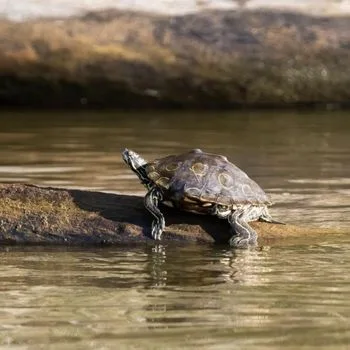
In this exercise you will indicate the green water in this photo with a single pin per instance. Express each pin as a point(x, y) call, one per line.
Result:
point(188, 296)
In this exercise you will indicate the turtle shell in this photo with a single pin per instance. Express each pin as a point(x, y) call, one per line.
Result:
point(204, 178)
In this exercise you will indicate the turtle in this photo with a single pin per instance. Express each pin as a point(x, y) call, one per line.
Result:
point(202, 183)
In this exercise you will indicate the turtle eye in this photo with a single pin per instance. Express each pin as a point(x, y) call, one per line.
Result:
point(225, 180)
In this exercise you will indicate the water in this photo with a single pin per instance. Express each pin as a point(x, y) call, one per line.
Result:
point(188, 296)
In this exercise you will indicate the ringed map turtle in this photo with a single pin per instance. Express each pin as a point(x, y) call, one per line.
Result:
point(202, 183)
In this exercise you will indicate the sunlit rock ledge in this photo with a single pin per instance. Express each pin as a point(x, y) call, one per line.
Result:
point(38, 215)
point(208, 59)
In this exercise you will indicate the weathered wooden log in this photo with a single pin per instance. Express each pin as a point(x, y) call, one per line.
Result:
point(36, 215)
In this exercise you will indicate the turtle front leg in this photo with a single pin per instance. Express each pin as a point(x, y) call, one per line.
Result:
point(152, 199)
point(244, 235)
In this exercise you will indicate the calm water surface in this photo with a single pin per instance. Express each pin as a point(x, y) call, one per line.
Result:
point(188, 296)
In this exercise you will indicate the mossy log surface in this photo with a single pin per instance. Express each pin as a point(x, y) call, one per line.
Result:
point(36, 215)
point(208, 59)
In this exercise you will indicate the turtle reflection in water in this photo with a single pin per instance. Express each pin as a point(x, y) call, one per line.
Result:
point(202, 183)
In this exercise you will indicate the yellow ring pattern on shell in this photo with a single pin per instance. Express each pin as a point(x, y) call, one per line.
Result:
point(163, 181)
point(153, 175)
point(225, 180)
point(172, 167)
point(199, 168)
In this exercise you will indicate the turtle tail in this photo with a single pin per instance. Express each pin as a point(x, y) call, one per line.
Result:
point(266, 217)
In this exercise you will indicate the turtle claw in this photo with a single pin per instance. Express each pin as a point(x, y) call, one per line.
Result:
point(238, 242)
point(157, 229)
point(242, 243)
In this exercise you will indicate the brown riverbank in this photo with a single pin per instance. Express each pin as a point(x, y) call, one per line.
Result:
point(35, 215)
point(210, 59)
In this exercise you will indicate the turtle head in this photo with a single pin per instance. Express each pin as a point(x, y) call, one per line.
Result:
point(137, 164)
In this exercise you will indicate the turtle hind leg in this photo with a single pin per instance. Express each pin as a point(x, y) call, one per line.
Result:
point(244, 235)
point(152, 199)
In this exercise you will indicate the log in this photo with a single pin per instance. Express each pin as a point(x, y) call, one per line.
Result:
point(37, 215)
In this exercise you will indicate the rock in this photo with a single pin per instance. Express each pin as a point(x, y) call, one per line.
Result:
point(211, 59)
point(37, 215)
